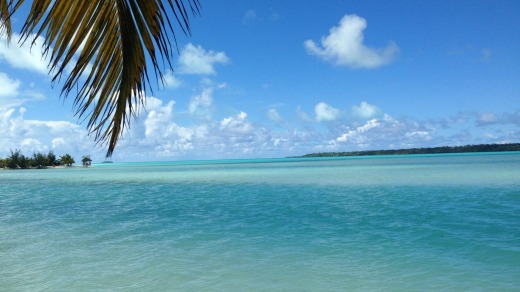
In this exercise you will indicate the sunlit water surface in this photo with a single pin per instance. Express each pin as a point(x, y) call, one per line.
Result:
point(424, 222)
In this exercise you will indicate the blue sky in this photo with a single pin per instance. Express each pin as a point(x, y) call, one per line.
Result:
point(276, 78)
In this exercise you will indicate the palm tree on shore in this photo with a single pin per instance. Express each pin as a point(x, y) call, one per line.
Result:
point(114, 38)
point(67, 160)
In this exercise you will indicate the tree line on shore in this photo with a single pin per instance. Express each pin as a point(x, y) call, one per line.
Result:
point(432, 150)
point(39, 160)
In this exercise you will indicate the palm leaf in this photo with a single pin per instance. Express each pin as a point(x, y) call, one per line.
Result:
point(6, 9)
point(113, 39)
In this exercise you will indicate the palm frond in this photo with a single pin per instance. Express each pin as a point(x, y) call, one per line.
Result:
point(111, 38)
point(6, 9)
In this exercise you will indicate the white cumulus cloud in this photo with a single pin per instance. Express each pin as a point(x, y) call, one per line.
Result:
point(25, 56)
point(196, 60)
point(344, 46)
point(384, 133)
point(8, 87)
point(325, 112)
point(357, 134)
point(202, 103)
point(158, 117)
point(13, 93)
point(237, 123)
point(170, 81)
point(365, 110)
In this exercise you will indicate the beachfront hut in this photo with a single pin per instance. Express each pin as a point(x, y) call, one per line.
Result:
point(86, 161)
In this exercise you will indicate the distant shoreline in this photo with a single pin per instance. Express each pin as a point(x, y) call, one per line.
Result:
point(429, 150)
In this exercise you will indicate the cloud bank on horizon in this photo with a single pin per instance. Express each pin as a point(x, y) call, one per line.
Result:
point(213, 116)
point(158, 136)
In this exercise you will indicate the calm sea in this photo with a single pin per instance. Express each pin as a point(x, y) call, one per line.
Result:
point(417, 222)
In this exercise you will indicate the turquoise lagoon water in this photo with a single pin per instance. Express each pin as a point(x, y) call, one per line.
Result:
point(419, 222)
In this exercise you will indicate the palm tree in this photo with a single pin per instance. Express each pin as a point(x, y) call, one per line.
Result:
point(115, 37)
point(67, 160)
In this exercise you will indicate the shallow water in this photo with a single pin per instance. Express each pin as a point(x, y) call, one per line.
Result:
point(419, 222)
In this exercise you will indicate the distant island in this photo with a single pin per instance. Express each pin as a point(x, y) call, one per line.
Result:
point(39, 160)
point(432, 150)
